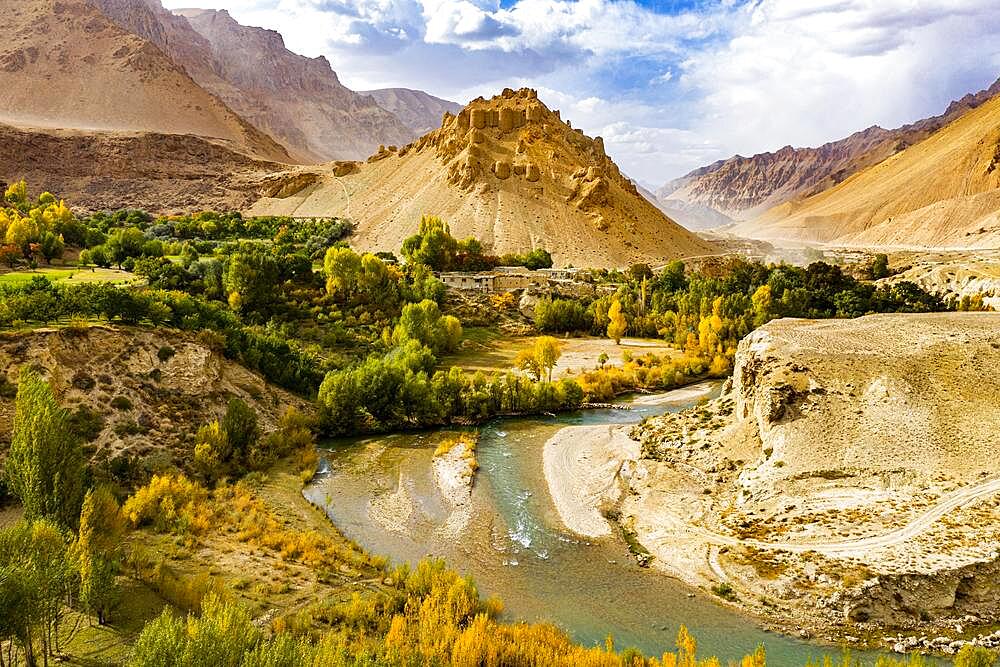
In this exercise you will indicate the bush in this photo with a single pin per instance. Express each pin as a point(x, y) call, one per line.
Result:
point(86, 423)
point(121, 403)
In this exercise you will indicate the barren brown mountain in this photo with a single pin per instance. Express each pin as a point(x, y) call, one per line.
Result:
point(298, 100)
point(64, 64)
point(420, 111)
point(507, 171)
point(941, 192)
point(744, 187)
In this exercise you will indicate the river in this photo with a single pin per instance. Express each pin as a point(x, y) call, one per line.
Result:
point(381, 492)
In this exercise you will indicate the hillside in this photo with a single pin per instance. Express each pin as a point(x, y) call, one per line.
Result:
point(744, 187)
point(63, 64)
point(420, 111)
point(298, 100)
point(849, 473)
point(507, 171)
point(942, 192)
point(161, 173)
point(151, 388)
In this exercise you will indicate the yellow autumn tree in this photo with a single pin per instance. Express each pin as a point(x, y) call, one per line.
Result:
point(617, 324)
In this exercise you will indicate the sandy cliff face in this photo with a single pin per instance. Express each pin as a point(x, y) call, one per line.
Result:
point(507, 171)
point(744, 187)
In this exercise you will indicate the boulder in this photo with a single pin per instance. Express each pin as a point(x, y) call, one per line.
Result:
point(532, 173)
point(502, 169)
point(344, 167)
point(526, 306)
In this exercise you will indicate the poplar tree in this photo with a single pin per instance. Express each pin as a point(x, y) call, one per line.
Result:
point(45, 468)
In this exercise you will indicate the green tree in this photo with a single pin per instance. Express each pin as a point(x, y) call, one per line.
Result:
point(342, 267)
point(424, 322)
point(253, 278)
point(433, 245)
point(52, 246)
point(99, 548)
point(45, 467)
point(240, 427)
point(617, 324)
point(123, 244)
point(879, 266)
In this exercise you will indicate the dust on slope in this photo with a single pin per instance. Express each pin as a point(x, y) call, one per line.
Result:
point(507, 171)
point(941, 192)
point(64, 64)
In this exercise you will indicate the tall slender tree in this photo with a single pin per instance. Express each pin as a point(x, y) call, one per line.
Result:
point(45, 468)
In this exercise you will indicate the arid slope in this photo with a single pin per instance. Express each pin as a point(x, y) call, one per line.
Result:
point(509, 172)
point(941, 192)
point(744, 187)
point(64, 64)
point(160, 173)
point(849, 474)
point(298, 100)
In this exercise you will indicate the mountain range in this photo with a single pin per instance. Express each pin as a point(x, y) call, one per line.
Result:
point(744, 187)
point(124, 103)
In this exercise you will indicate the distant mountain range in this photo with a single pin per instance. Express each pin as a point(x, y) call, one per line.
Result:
point(194, 71)
point(840, 191)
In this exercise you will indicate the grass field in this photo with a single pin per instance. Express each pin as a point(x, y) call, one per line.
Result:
point(487, 350)
point(73, 274)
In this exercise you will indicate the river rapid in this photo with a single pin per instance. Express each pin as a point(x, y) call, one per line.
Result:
point(381, 492)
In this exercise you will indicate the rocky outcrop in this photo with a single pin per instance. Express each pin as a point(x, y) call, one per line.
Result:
point(847, 475)
point(509, 172)
point(148, 388)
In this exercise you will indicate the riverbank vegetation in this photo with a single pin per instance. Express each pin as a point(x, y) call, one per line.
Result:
point(231, 564)
point(239, 584)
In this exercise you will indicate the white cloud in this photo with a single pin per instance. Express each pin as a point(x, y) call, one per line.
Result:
point(806, 73)
point(669, 91)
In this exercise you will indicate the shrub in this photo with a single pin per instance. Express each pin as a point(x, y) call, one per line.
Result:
point(121, 403)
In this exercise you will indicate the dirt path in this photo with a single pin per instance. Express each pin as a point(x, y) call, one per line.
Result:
point(949, 502)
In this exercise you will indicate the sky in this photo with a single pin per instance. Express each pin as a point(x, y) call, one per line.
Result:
point(671, 85)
